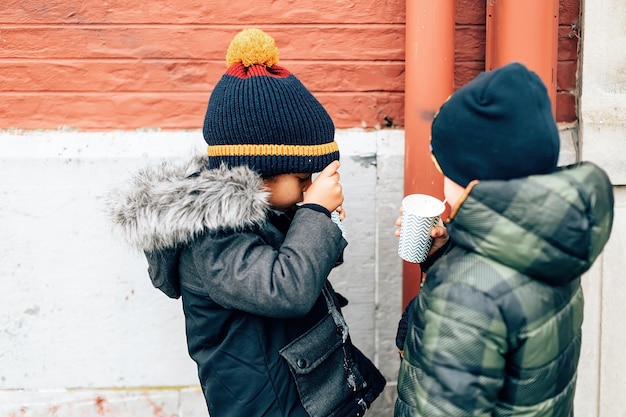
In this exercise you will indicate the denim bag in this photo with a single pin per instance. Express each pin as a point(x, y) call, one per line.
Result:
point(331, 374)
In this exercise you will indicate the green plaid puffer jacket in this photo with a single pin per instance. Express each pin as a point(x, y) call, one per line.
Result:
point(496, 327)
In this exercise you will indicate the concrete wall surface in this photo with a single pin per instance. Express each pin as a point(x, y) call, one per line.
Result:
point(82, 330)
point(603, 86)
point(602, 368)
point(602, 372)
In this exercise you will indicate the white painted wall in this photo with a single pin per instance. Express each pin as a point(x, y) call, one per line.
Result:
point(603, 86)
point(602, 372)
point(78, 317)
point(83, 332)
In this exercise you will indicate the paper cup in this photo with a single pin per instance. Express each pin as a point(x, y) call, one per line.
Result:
point(334, 216)
point(420, 213)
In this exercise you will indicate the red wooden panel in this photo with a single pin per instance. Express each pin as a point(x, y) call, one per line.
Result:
point(193, 12)
point(185, 76)
point(470, 12)
point(465, 72)
point(359, 76)
point(569, 12)
point(566, 76)
point(565, 107)
point(568, 44)
point(175, 51)
point(469, 43)
point(381, 42)
point(108, 75)
point(170, 110)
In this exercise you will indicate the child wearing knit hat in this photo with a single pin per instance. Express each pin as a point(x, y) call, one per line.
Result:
point(496, 326)
point(244, 236)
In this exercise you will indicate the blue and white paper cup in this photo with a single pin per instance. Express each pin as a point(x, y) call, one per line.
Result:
point(420, 213)
point(334, 216)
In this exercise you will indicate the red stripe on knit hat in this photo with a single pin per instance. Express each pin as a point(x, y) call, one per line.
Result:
point(241, 71)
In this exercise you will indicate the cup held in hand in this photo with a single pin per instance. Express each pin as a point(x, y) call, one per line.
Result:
point(420, 213)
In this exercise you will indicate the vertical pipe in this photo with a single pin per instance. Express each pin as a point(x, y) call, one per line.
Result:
point(525, 31)
point(429, 81)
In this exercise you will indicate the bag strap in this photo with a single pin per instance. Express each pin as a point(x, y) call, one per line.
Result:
point(336, 315)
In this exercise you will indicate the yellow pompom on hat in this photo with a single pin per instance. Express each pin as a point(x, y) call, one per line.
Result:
point(260, 115)
point(252, 47)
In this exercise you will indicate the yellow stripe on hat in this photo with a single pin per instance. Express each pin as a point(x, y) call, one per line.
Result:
point(272, 149)
point(436, 163)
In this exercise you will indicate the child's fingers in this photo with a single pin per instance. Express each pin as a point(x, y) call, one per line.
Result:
point(342, 213)
point(438, 231)
point(398, 224)
point(330, 170)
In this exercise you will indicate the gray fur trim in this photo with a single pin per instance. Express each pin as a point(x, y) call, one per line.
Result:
point(170, 204)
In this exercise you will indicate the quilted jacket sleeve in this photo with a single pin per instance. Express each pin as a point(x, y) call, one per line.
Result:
point(454, 364)
point(242, 271)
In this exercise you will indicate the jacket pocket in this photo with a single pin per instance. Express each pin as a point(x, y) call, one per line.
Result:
point(324, 369)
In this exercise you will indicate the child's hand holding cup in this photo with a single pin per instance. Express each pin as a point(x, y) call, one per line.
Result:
point(420, 213)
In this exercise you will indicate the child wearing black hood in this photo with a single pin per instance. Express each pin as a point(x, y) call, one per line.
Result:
point(244, 236)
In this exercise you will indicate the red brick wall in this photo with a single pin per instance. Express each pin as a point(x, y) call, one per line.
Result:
point(470, 50)
point(95, 65)
point(567, 69)
point(118, 64)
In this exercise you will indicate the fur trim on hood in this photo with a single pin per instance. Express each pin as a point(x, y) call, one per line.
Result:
point(168, 205)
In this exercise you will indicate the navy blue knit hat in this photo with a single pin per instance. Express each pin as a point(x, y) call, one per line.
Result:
point(262, 116)
point(499, 126)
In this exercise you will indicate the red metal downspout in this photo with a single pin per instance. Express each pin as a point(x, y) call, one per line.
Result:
point(429, 80)
point(525, 31)
point(517, 30)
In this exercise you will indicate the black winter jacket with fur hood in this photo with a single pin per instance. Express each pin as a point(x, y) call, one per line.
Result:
point(262, 320)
